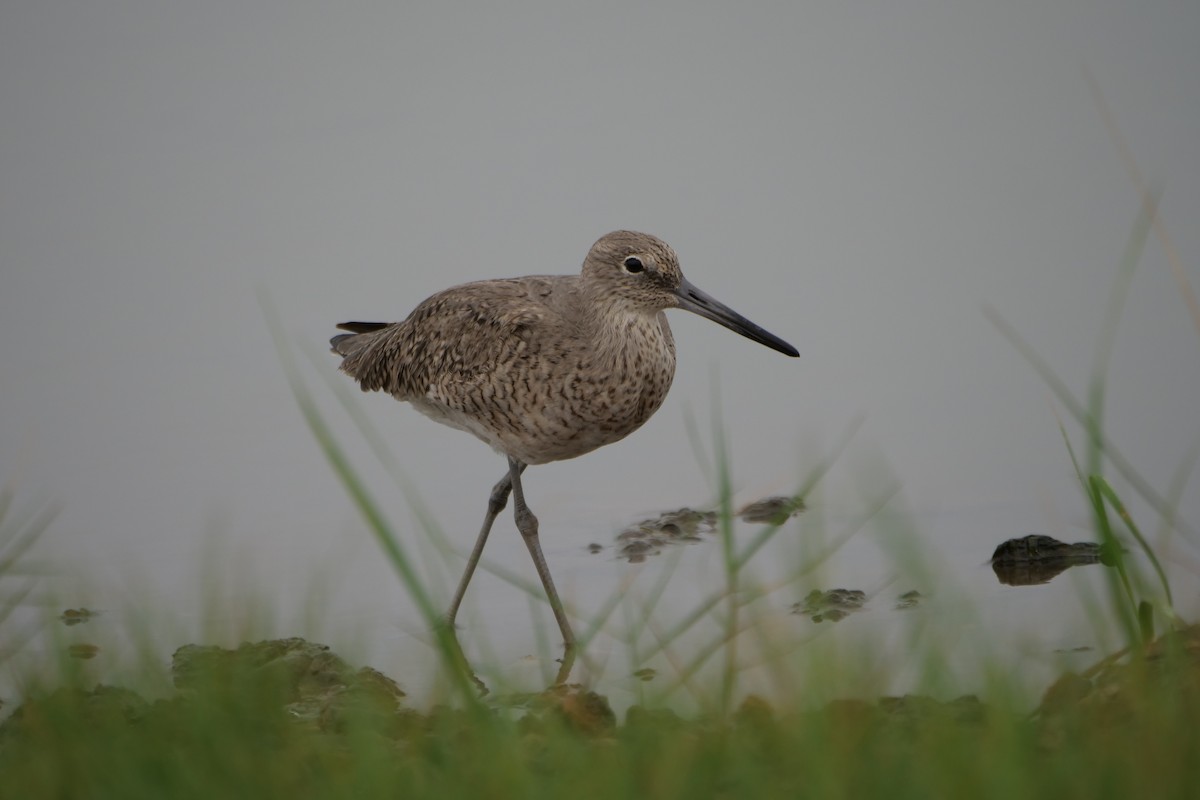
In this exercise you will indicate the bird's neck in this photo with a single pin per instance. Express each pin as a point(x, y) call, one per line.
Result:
point(621, 335)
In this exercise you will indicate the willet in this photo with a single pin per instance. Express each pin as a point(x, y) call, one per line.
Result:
point(542, 368)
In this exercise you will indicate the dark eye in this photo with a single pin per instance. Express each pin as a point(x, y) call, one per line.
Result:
point(633, 264)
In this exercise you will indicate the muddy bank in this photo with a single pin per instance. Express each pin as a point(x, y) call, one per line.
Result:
point(308, 685)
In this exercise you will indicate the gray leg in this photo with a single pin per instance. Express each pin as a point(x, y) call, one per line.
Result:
point(496, 504)
point(458, 660)
point(527, 524)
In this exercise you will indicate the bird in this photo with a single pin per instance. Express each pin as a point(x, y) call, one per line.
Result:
point(541, 368)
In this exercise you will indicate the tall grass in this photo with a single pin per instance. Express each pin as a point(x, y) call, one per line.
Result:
point(1133, 596)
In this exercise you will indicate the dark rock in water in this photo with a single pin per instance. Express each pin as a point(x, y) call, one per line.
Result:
point(910, 599)
point(1037, 559)
point(1037, 547)
point(648, 537)
point(831, 606)
point(773, 510)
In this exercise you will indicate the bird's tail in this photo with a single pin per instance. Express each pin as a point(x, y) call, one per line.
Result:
point(348, 344)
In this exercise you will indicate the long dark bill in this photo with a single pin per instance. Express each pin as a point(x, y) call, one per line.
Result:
point(707, 306)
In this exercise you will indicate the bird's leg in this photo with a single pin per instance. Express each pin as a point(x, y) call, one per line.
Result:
point(527, 524)
point(565, 665)
point(496, 503)
point(458, 660)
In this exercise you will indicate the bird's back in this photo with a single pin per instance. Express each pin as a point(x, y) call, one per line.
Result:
point(526, 364)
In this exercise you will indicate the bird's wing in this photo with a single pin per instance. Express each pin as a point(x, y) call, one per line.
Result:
point(453, 338)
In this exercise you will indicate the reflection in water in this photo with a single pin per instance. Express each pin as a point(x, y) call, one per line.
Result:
point(688, 525)
point(648, 537)
point(910, 599)
point(772, 510)
point(84, 651)
point(836, 604)
point(1037, 559)
point(77, 616)
point(831, 606)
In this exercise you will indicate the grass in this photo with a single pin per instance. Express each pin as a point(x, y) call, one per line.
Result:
point(235, 734)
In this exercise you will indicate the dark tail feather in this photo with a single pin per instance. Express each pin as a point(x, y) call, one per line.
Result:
point(361, 327)
point(342, 343)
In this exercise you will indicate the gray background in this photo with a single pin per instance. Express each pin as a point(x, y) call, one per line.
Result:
point(857, 177)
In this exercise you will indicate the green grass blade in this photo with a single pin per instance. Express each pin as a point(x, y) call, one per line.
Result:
point(371, 511)
point(1083, 416)
point(1108, 494)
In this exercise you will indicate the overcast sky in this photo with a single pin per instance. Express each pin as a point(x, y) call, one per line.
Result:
point(857, 177)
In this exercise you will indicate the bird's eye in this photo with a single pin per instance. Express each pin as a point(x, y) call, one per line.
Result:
point(633, 264)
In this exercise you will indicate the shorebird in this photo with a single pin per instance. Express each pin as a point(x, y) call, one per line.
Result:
point(542, 368)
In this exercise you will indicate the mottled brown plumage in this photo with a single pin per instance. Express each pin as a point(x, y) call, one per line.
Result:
point(541, 368)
